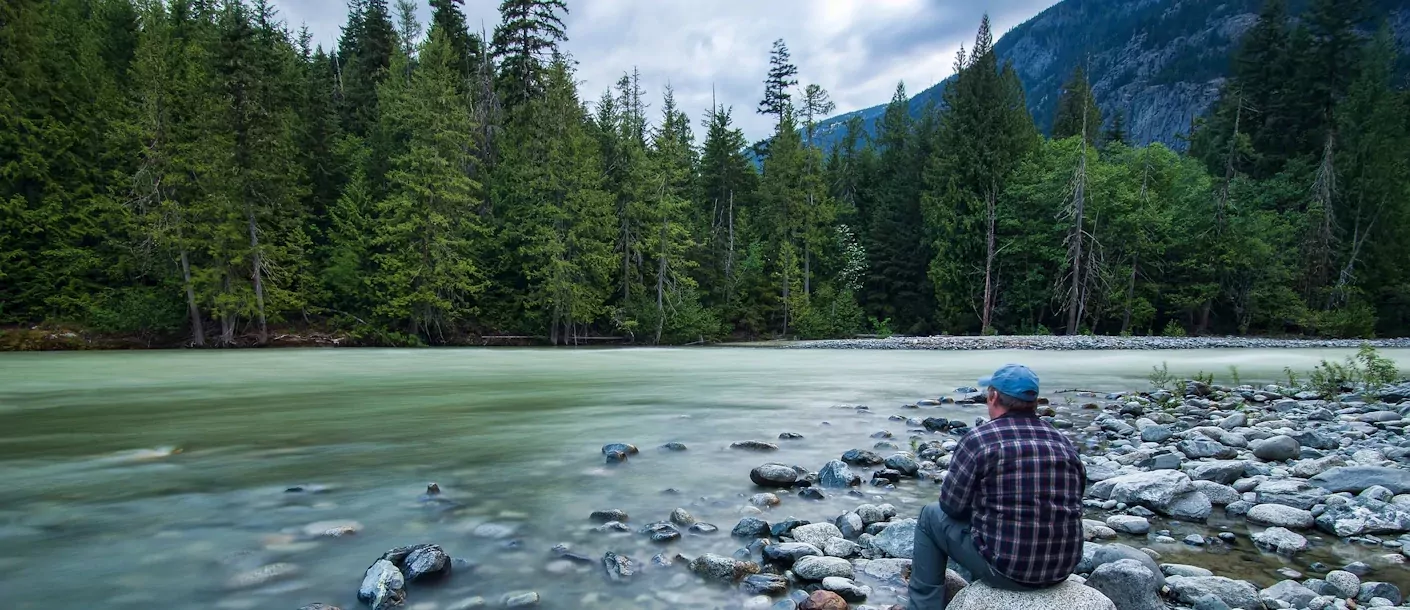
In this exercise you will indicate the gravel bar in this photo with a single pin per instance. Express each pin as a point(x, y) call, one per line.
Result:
point(1059, 343)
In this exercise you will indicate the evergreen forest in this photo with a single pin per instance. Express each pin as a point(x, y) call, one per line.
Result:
point(195, 172)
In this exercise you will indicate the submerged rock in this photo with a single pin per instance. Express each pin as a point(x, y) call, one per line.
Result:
point(522, 599)
point(623, 448)
point(1280, 540)
point(759, 446)
point(764, 584)
point(619, 568)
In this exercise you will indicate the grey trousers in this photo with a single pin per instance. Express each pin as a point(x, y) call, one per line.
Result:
point(940, 538)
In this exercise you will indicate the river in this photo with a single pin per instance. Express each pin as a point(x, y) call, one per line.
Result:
point(95, 513)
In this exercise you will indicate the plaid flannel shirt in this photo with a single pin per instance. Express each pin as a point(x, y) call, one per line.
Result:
point(1019, 482)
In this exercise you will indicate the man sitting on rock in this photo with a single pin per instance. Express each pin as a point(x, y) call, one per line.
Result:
point(1010, 510)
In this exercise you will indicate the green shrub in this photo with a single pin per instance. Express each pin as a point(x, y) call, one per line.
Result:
point(1173, 329)
point(830, 315)
point(1160, 377)
point(881, 328)
point(1234, 376)
point(1366, 370)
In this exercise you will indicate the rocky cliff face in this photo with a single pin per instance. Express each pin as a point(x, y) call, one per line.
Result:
point(1158, 62)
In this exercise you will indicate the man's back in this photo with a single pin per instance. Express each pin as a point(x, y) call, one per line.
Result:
point(1019, 482)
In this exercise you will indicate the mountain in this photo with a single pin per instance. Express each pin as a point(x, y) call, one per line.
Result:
point(1158, 62)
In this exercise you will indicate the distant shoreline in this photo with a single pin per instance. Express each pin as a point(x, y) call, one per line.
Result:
point(36, 340)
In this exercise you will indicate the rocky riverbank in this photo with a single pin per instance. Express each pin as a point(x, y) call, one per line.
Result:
point(1045, 342)
point(1199, 474)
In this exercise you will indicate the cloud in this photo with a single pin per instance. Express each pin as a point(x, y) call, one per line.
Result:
point(856, 49)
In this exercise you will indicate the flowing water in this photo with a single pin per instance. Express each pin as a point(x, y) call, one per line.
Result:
point(159, 479)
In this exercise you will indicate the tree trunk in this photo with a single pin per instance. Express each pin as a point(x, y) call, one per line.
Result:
point(729, 254)
point(807, 255)
point(1078, 237)
point(257, 272)
point(198, 331)
point(1130, 298)
point(626, 258)
point(227, 319)
point(661, 285)
point(989, 263)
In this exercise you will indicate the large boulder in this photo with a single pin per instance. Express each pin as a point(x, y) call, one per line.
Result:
point(1129, 584)
point(904, 463)
point(1364, 516)
point(383, 586)
point(1219, 471)
point(816, 534)
point(837, 475)
point(817, 568)
point(1296, 493)
point(862, 457)
point(1277, 449)
point(1357, 478)
point(751, 527)
point(1290, 592)
point(426, 562)
point(1219, 495)
point(1234, 593)
point(1281, 516)
point(1200, 448)
point(774, 475)
point(1149, 489)
point(1066, 596)
point(1103, 554)
point(722, 569)
point(898, 539)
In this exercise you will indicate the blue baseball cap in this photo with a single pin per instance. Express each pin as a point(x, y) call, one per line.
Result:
point(1014, 380)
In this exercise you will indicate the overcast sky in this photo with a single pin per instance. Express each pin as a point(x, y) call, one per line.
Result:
point(856, 49)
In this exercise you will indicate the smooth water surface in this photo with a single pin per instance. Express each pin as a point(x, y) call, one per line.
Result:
point(94, 513)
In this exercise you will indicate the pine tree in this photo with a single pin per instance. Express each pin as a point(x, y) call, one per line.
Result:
point(557, 218)
point(896, 288)
point(1375, 185)
point(428, 232)
point(446, 15)
point(727, 181)
point(365, 54)
point(528, 34)
point(1077, 111)
point(984, 135)
point(1116, 131)
point(408, 27)
point(783, 76)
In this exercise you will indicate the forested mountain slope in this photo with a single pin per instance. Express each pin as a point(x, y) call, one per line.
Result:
point(1157, 62)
